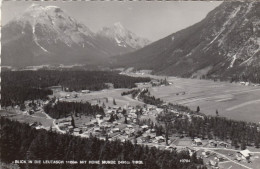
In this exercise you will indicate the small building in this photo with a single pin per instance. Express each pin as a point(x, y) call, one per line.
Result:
point(76, 130)
point(205, 153)
point(114, 130)
point(64, 124)
point(170, 148)
point(109, 111)
point(30, 112)
point(70, 128)
point(67, 119)
point(160, 139)
point(197, 141)
point(212, 143)
point(56, 88)
point(238, 158)
point(35, 124)
point(153, 131)
point(129, 126)
point(39, 127)
point(85, 91)
point(190, 150)
point(152, 135)
point(93, 122)
point(223, 144)
point(98, 116)
point(97, 129)
point(144, 127)
point(244, 154)
point(102, 138)
point(213, 163)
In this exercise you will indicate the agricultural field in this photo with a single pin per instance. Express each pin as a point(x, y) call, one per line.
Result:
point(229, 165)
point(38, 117)
point(232, 100)
point(99, 97)
point(183, 142)
point(255, 162)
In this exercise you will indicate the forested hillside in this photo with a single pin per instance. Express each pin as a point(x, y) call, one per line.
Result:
point(19, 141)
point(239, 133)
point(65, 109)
point(225, 44)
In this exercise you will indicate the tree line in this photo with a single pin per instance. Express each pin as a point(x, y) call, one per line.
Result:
point(238, 133)
point(148, 99)
point(16, 95)
point(133, 92)
point(19, 142)
point(72, 80)
point(65, 109)
point(19, 86)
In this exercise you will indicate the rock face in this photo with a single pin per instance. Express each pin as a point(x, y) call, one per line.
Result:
point(44, 35)
point(47, 35)
point(225, 43)
point(120, 39)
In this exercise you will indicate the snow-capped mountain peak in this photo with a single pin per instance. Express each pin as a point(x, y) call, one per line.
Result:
point(48, 34)
point(122, 36)
point(53, 19)
point(119, 25)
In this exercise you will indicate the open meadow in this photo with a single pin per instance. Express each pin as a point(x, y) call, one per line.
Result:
point(99, 97)
point(232, 100)
point(23, 118)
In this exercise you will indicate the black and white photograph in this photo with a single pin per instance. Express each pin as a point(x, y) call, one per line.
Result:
point(130, 85)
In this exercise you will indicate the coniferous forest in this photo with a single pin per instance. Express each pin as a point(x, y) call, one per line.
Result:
point(19, 142)
point(238, 133)
point(65, 109)
point(148, 99)
point(18, 86)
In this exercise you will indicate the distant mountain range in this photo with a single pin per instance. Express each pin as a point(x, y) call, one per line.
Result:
point(225, 43)
point(47, 35)
point(118, 40)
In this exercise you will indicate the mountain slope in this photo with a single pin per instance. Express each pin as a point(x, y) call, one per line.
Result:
point(44, 35)
point(225, 43)
point(118, 40)
point(48, 35)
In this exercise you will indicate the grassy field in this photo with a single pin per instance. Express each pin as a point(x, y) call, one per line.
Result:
point(254, 164)
point(183, 142)
point(39, 117)
point(229, 165)
point(232, 100)
point(111, 94)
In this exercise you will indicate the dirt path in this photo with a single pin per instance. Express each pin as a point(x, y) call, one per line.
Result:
point(243, 104)
point(215, 96)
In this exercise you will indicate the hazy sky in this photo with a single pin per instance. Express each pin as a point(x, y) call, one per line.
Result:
point(152, 20)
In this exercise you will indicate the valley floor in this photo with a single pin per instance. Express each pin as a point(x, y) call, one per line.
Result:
point(232, 100)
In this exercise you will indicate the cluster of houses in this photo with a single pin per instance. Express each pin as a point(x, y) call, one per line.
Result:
point(249, 84)
point(243, 155)
point(149, 136)
point(103, 128)
point(66, 125)
point(213, 143)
